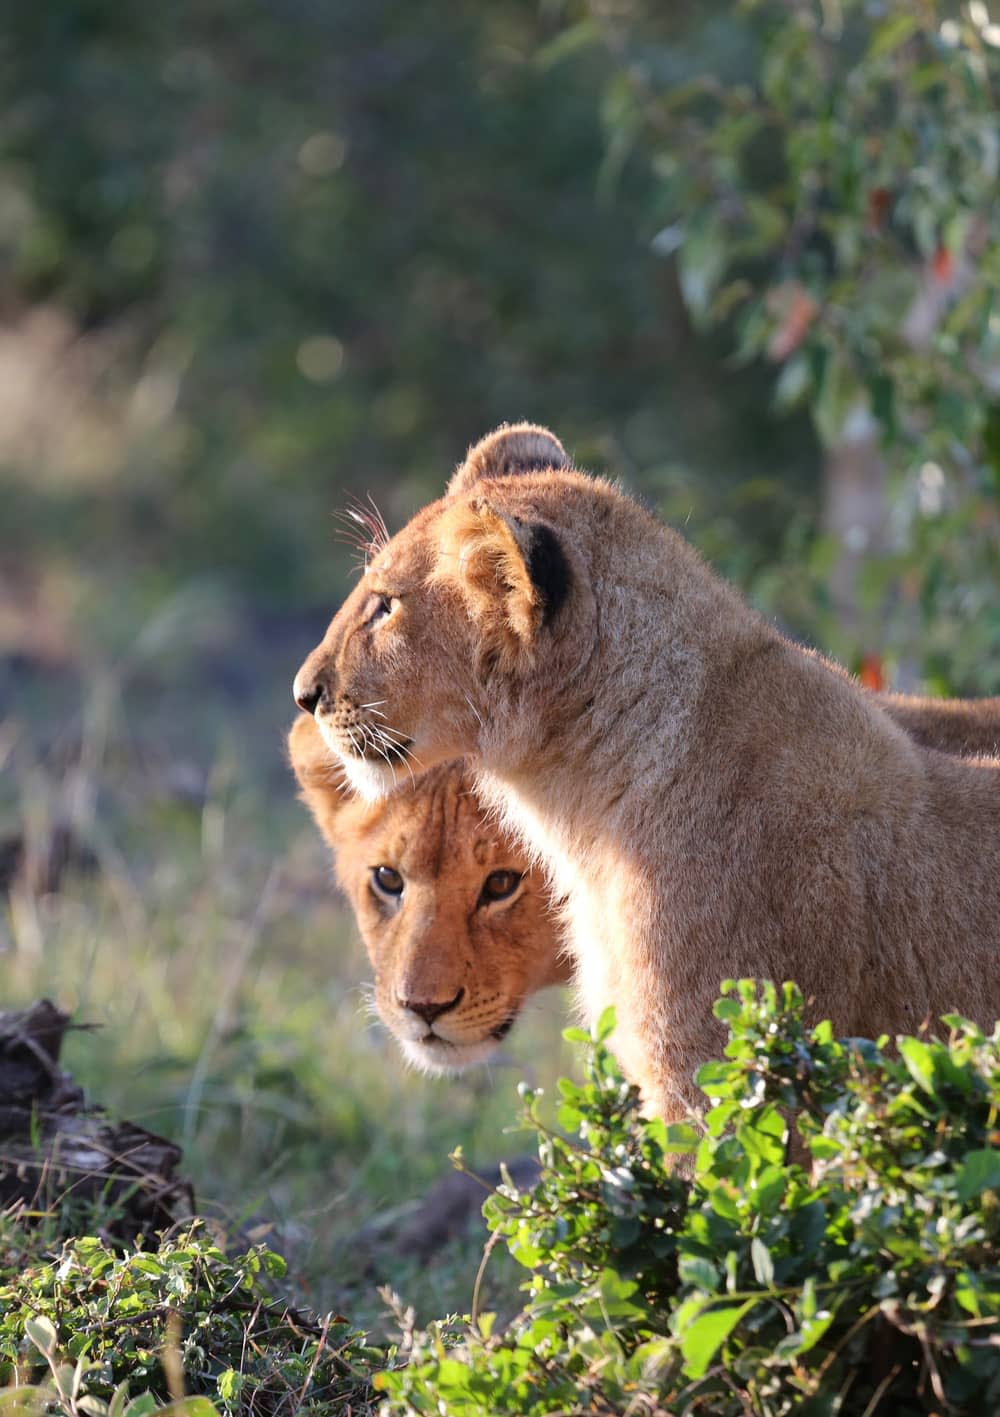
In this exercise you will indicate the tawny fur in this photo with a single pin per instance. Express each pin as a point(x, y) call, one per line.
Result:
point(440, 936)
point(432, 831)
point(712, 800)
point(970, 727)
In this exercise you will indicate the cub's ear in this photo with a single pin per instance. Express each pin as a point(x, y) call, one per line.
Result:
point(321, 780)
point(513, 575)
point(512, 449)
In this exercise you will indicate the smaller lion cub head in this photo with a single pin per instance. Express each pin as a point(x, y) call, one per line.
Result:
point(455, 924)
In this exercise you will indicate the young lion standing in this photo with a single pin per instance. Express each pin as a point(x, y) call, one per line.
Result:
point(712, 800)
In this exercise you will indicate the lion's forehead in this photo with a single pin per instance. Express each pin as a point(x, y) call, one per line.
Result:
point(408, 555)
point(430, 829)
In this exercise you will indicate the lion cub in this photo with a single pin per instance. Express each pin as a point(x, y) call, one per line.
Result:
point(712, 800)
point(410, 872)
point(454, 920)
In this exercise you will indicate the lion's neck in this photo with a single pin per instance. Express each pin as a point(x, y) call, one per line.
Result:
point(585, 756)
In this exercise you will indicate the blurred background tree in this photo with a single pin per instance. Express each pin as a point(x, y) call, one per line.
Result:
point(257, 257)
point(826, 176)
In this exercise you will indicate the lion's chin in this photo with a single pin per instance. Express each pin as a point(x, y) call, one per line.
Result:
point(441, 1058)
point(370, 781)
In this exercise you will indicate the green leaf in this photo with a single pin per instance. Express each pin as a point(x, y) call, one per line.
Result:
point(703, 1338)
point(727, 1008)
point(893, 33)
point(24, 1399)
point(807, 1337)
point(919, 1060)
point(189, 1407)
point(793, 383)
point(718, 1079)
point(147, 1265)
point(763, 1265)
point(141, 1405)
point(701, 261)
point(42, 1334)
point(119, 1398)
point(605, 1025)
point(699, 1272)
point(680, 1139)
point(568, 42)
point(230, 1382)
point(91, 1406)
point(979, 1172)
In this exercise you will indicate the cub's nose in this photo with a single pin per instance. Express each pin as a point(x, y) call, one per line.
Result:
point(307, 698)
point(309, 687)
point(428, 1010)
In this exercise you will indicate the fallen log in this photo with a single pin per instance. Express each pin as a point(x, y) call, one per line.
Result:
point(58, 1154)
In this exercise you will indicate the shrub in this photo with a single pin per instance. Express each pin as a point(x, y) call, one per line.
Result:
point(858, 1278)
point(865, 1281)
point(95, 1333)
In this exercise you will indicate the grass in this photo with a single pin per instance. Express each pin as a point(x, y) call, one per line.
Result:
point(226, 976)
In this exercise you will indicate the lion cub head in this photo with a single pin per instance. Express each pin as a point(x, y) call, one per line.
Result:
point(452, 615)
point(455, 923)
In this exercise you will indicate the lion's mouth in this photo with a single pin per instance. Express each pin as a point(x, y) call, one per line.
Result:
point(496, 1035)
point(384, 749)
point(366, 743)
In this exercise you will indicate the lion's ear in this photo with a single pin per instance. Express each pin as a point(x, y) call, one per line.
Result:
point(513, 576)
point(512, 449)
point(320, 779)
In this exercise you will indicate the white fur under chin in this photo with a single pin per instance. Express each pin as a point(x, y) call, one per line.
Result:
point(371, 781)
point(439, 1061)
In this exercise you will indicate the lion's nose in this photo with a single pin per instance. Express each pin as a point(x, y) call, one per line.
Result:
point(429, 1010)
point(308, 688)
point(307, 699)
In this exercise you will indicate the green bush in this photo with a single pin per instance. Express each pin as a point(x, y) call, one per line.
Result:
point(93, 1333)
point(860, 1277)
point(864, 1281)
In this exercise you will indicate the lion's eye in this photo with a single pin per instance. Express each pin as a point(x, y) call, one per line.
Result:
point(387, 881)
point(500, 885)
point(382, 609)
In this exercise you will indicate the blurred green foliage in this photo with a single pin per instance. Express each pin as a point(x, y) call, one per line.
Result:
point(825, 174)
point(319, 248)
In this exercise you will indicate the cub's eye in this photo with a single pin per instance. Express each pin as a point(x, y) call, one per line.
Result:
point(381, 610)
point(387, 882)
point(500, 885)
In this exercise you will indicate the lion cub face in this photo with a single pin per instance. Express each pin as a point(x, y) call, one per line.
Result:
point(454, 922)
point(427, 652)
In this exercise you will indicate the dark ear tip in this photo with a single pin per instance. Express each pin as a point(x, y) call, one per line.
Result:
point(508, 451)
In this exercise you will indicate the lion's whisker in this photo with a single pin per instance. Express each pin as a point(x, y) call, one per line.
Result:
point(475, 711)
point(401, 745)
point(382, 753)
point(383, 735)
